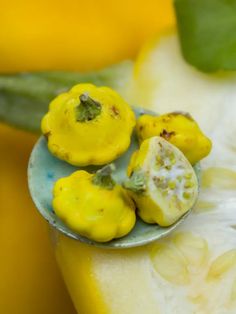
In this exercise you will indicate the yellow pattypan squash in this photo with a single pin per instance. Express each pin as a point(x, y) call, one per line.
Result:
point(89, 125)
point(178, 128)
point(93, 205)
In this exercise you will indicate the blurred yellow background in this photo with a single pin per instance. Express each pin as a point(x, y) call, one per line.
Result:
point(45, 35)
point(76, 34)
point(30, 280)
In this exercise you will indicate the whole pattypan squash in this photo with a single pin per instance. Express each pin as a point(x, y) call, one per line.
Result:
point(162, 182)
point(93, 205)
point(178, 128)
point(88, 125)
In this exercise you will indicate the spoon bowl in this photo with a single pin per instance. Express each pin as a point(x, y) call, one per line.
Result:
point(44, 170)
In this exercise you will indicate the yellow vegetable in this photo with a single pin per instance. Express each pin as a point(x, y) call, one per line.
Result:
point(179, 129)
point(93, 205)
point(76, 34)
point(89, 125)
point(162, 182)
point(30, 279)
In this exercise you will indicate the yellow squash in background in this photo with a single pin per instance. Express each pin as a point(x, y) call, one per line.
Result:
point(30, 280)
point(76, 34)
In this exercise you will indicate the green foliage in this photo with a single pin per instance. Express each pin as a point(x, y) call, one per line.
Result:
point(24, 98)
point(207, 30)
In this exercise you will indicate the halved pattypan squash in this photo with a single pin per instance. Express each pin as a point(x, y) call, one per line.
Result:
point(161, 181)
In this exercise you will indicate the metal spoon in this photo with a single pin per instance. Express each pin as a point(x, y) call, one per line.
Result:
point(44, 169)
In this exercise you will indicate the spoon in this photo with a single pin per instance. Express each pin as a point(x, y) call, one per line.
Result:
point(44, 170)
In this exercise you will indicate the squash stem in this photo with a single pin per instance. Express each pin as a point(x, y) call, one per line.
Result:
point(136, 183)
point(88, 109)
point(103, 177)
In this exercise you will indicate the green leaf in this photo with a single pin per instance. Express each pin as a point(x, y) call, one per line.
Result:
point(207, 30)
point(24, 98)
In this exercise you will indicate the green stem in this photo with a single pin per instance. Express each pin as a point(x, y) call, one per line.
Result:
point(103, 177)
point(136, 183)
point(88, 109)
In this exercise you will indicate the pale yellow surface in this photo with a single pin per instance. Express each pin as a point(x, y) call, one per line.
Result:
point(30, 281)
point(75, 260)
